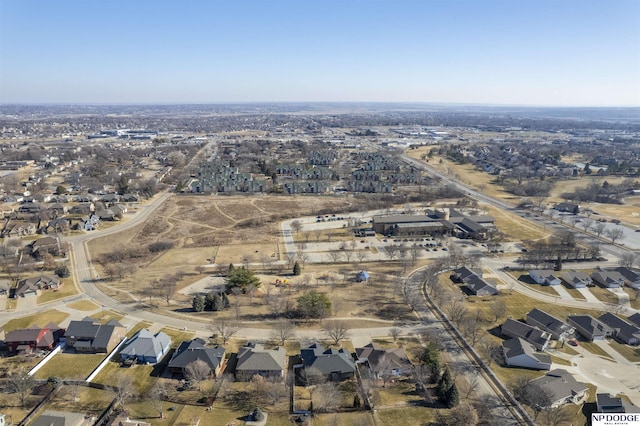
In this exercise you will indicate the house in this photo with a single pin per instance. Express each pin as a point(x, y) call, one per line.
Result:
point(635, 319)
point(130, 198)
point(479, 287)
point(44, 245)
point(26, 340)
point(608, 279)
point(384, 362)
point(520, 353)
point(562, 387)
point(146, 348)
point(254, 359)
point(567, 208)
point(558, 329)
point(57, 209)
point(608, 404)
point(632, 278)
point(577, 279)
point(62, 418)
point(193, 350)
point(84, 208)
point(334, 364)
point(621, 329)
point(32, 286)
point(544, 277)
point(538, 338)
point(89, 336)
point(124, 420)
point(460, 274)
point(589, 327)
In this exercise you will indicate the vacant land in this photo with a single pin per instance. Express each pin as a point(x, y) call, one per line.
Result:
point(38, 320)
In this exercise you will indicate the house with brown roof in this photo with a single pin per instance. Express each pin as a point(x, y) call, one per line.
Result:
point(44, 245)
point(89, 336)
point(33, 286)
point(387, 362)
point(26, 340)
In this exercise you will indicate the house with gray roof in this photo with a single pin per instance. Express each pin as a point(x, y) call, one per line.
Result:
point(89, 336)
point(608, 404)
point(254, 359)
point(632, 278)
point(562, 387)
point(460, 274)
point(558, 329)
point(334, 364)
point(577, 279)
point(635, 319)
point(544, 277)
point(621, 329)
point(193, 350)
point(520, 353)
point(608, 279)
point(387, 362)
point(62, 418)
point(145, 348)
point(479, 287)
point(589, 327)
point(538, 338)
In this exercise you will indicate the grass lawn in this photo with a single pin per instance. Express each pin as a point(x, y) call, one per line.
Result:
point(177, 336)
point(105, 316)
point(40, 320)
point(405, 416)
point(560, 361)
point(604, 295)
point(70, 366)
point(83, 305)
point(629, 352)
point(90, 400)
point(575, 293)
point(402, 392)
point(137, 327)
point(515, 227)
point(634, 299)
point(140, 374)
point(595, 349)
point(11, 304)
point(508, 375)
point(68, 289)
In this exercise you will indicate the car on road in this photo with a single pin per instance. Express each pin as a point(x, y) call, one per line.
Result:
point(573, 342)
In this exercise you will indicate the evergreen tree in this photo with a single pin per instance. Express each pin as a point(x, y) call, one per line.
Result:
point(208, 302)
point(443, 385)
point(218, 303)
point(296, 269)
point(231, 267)
point(225, 299)
point(197, 304)
point(356, 402)
point(452, 397)
point(431, 358)
point(558, 266)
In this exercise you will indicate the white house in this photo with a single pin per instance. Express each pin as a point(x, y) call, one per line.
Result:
point(544, 277)
point(577, 279)
point(519, 353)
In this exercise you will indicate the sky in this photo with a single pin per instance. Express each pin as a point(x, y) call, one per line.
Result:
point(516, 52)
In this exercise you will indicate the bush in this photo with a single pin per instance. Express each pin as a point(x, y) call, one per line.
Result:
point(62, 271)
point(159, 246)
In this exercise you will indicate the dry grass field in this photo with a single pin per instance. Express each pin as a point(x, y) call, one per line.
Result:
point(38, 320)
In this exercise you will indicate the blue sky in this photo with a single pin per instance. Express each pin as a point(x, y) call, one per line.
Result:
point(524, 52)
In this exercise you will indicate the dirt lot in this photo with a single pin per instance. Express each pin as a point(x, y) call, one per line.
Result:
point(224, 230)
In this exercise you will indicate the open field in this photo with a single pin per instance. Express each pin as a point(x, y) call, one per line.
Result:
point(516, 228)
point(70, 366)
point(83, 305)
point(39, 320)
point(629, 212)
point(68, 289)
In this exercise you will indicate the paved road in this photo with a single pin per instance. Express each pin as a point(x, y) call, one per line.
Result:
point(457, 356)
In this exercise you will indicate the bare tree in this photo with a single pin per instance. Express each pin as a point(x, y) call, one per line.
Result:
point(463, 414)
point(21, 382)
point(472, 329)
point(394, 333)
point(470, 386)
point(296, 226)
point(498, 309)
point(197, 372)
point(627, 260)
point(327, 398)
point(614, 234)
point(156, 397)
point(587, 223)
point(226, 329)
point(392, 251)
point(283, 330)
point(361, 255)
point(335, 256)
point(123, 390)
point(599, 228)
point(456, 310)
point(336, 330)
point(491, 351)
point(414, 253)
point(556, 416)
